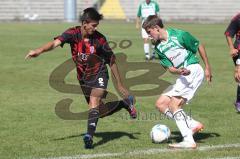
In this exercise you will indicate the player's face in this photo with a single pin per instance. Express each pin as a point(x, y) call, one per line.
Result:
point(90, 27)
point(153, 33)
point(147, 1)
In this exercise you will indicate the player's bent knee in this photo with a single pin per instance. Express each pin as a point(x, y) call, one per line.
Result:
point(94, 102)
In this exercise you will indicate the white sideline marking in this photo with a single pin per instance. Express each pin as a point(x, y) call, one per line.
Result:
point(226, 158)
point(150, 151)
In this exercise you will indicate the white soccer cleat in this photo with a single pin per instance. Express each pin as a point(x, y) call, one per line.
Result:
point(198, 127)
point(183, 145)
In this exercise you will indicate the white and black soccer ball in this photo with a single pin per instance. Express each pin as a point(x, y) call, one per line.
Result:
point(160, 133)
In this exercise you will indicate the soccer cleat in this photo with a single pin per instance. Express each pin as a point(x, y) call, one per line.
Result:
point(132, 110)
point(237, 106)
point(87, 139)
point(198, 128)
point(183, 145)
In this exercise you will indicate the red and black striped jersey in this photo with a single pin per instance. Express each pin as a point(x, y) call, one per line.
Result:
point(89, 54)
point(233, 30)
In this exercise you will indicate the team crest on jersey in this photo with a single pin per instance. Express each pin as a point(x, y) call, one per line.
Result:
point(92, 49)
point(82, 56)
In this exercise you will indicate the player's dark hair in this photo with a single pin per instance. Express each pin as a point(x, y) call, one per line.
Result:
point(152, 21)
point(90, 14)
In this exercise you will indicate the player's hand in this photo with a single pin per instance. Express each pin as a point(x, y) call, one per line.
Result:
point(31, 54)
point(184, 71)
point(208, 75)
point(237, 74)
point(233, 52)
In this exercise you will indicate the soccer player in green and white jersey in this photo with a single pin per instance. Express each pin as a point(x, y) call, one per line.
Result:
point(177, 53)
point(145, 9)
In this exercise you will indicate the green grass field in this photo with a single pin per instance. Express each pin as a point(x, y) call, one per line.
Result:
point(30, 128)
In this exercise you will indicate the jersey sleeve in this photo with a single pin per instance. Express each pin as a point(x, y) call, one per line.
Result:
point(66, 37)
point(139, 13)
point(164, 61)
point(232, 28)
point(190, 42)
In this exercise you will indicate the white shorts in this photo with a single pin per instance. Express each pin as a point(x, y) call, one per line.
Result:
point(144, 34)
point(186, 86)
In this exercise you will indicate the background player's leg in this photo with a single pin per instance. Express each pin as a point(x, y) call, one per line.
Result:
point(146, 49)
point(153, 52)
point(146, 45)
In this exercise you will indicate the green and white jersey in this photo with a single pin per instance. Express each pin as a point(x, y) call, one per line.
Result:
point(144, 9)
point(179, 50)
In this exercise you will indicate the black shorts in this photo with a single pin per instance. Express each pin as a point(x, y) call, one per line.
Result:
point(100, 81)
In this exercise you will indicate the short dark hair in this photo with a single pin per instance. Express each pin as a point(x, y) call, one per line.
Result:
point(90, 14)
point(152, 21)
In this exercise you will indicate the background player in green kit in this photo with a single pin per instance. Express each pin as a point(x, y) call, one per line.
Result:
point(145, 9)
point(177, 53)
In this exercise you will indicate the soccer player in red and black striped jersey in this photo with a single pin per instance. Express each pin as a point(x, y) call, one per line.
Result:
point(233, 30)
point(91, 53)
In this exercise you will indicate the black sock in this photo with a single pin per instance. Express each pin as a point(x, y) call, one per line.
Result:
point(238, 93)
point(153, 53)
point(93, 116)
point(112, 107)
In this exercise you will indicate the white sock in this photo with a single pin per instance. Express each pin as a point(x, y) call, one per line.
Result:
point(168, 114)
point(181, 121)
point(191, 122)
point(146, 48)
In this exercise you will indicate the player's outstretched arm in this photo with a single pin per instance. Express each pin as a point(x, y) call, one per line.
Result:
point(203, 54)
point(116, 75)
point(233, 52)
point(47, 47)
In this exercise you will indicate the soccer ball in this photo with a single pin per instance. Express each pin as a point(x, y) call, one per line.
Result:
point(160, 133)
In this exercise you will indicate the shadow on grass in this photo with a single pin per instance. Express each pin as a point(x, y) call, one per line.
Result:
point(177, 137)
point(106, 136)
point(109, 136)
